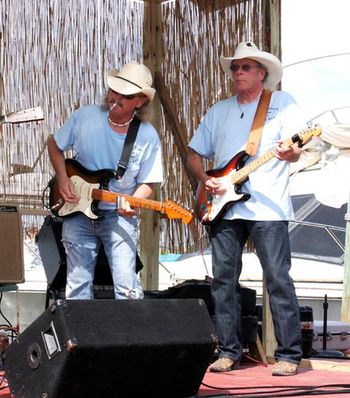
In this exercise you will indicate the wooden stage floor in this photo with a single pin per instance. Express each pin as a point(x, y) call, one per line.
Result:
point(253, 380)
point(316, 377)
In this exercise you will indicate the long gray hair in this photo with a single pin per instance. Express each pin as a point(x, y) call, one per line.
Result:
point(144, 113)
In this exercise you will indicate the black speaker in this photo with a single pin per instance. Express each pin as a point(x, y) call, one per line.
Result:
point(54, 260)
point(53, 256)
point(193, 288)
point(113, 348)
point(307, 327)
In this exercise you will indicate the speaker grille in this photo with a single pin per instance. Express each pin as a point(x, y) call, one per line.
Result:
point(113, 348)
point(11, 245)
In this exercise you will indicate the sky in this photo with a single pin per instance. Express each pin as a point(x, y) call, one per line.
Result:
point(315, 29)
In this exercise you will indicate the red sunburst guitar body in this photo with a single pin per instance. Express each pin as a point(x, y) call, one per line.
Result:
point(209, 208)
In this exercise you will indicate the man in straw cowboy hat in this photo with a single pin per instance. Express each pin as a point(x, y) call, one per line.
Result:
point(224, 132)
point(96, 134)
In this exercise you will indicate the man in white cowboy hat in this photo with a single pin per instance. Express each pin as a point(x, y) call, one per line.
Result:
point(96, 134)
point(224, 132)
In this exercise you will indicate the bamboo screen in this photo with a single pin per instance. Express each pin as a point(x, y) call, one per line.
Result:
point(194, 35)
point(55, 53)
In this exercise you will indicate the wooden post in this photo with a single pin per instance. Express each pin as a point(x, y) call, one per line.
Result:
point(273, 18)
point(273, 44)
point(345, 305)
point(269, 340)
point(177, 128)
point(149, 227)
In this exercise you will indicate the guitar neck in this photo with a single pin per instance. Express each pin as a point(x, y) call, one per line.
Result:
point(242, 173)
point(107, 196)
point(25, 116)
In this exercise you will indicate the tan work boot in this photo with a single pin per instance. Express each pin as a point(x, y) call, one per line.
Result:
point(224, 365)
point(284, 368)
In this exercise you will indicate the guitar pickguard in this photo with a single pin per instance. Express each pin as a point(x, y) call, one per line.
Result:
point(218, 204)
point(84, 190)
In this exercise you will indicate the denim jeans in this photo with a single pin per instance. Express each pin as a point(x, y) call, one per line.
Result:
point(82, 238)
point(271, 241)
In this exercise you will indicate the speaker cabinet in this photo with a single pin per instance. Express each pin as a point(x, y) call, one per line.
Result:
point(54, 258)
point(113, 348)
point(11, 245)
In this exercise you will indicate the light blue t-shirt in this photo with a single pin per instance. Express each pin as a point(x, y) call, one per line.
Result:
point(97, 146)
point(223, 133)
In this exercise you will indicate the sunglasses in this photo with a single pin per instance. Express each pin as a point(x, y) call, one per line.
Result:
point(244, 67)
point(127, 97)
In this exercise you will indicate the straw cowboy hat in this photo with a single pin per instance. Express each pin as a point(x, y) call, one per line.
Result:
point(249, 50)
point(133, 78)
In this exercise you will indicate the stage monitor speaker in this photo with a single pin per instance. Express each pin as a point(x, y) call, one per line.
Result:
point(11, 245)
point(113, 348)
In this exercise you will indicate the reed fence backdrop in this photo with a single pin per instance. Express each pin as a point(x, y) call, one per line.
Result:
point(55, 54)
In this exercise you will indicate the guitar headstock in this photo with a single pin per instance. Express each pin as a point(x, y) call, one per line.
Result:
point(173, 211)
point(25, 116)
point(306, 135)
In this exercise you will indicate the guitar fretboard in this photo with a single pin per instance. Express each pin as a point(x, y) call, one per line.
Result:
point(107, 196)
point(242, 173)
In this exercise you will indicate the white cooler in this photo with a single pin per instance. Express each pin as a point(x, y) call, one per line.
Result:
point(338, 336)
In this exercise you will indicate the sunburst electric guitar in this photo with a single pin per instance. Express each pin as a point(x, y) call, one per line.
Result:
point(209, 208)
point(88, 184)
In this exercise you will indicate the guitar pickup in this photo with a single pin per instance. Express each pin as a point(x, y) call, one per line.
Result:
point(58, 204)
point(119, 202)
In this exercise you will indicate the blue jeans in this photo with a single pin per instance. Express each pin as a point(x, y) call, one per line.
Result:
point(271, 241)
point(82, 238)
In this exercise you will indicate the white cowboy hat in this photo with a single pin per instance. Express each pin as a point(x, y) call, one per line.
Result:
point(250, 50)
point(133, 78)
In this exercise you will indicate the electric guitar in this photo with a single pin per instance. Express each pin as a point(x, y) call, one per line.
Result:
point(209, 208)
point(87, 185)
point(25, 116)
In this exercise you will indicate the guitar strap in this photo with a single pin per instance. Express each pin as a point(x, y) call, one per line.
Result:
point(258, 123)
point(127, 148)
